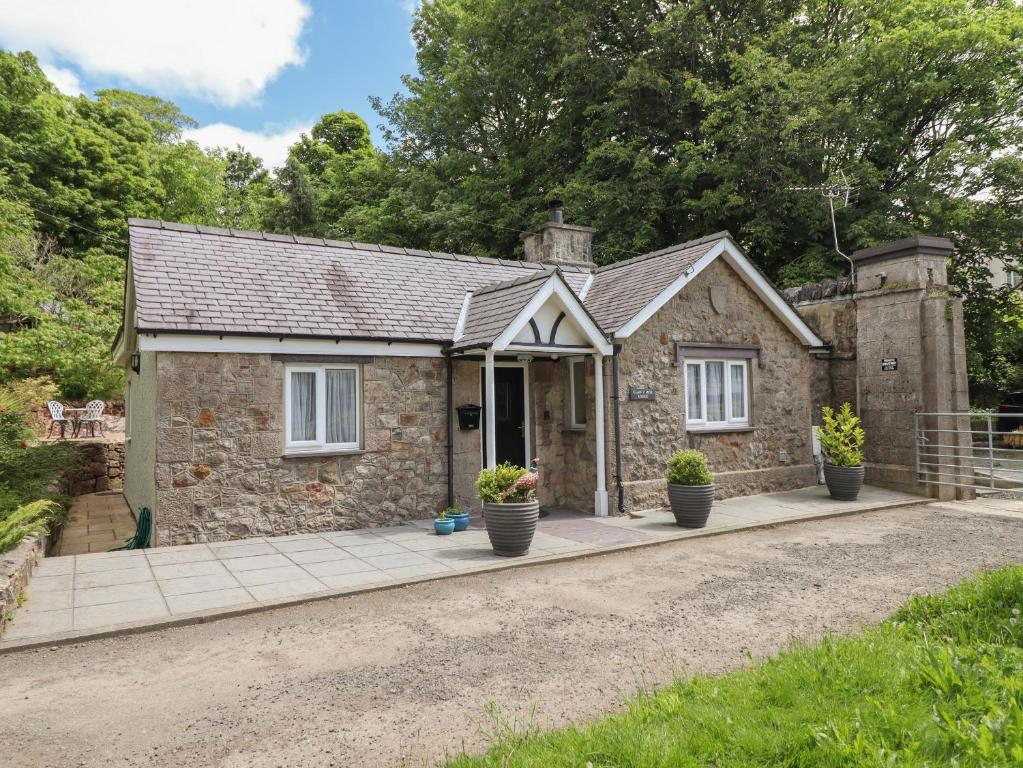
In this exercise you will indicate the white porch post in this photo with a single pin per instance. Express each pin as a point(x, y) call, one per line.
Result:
point(600, 497)
point(488, 372)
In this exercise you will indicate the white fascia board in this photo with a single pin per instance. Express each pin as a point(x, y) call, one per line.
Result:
point(183, 342)
point(460, 325)
point(555, 286)
point(586, 287)
point(670, 292)
point(750, 275)
point(769, 295)
point(120, 353)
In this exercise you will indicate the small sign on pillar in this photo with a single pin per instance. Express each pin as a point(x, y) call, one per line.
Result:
point(889, 363)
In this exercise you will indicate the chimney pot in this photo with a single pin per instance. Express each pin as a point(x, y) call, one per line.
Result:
point(557, 214)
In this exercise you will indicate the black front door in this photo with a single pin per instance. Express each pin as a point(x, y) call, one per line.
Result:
point(509, 415)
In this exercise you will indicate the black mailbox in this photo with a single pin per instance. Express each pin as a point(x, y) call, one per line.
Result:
point(468, 416)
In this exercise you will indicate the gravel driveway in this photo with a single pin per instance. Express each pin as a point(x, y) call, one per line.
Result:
point(401, 677)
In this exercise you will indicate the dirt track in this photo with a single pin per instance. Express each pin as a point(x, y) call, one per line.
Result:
point(400, 677)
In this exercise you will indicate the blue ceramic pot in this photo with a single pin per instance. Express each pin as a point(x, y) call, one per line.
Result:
point(443, 527)
point(461, 521)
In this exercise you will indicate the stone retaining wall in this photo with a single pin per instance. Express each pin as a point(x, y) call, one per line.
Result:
point(15, 571)
point(100, 468)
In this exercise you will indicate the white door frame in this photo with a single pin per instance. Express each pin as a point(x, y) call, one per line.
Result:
point(527, 432)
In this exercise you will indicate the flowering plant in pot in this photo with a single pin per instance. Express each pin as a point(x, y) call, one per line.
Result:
point(459, 515)
point(510, 508)
point(842, 438)
point(690, 488)
point(442, 524)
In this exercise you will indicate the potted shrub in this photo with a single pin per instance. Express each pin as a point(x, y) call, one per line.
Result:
point(510, 508)
point(459, 515)
point(442, 524)
point(842, 439)
point(690, 488)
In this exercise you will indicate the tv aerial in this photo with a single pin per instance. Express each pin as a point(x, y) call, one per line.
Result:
point(838, 192)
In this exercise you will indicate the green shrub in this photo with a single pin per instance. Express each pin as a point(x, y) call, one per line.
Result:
point(506, 482)
point(689, 467)
point(842, 437)
point(30, 519)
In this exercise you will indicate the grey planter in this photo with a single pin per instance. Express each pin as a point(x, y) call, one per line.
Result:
point(844, 483)
point(691, 504)
point(511, 526)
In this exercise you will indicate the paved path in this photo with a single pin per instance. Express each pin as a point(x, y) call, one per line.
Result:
point(97, 522)
point(400, 677)
point(98, 593)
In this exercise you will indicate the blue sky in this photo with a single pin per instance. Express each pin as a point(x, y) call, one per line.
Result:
point(256, 72)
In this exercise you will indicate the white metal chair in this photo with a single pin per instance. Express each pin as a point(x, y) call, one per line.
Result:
point(57, 417)
point(93, 416)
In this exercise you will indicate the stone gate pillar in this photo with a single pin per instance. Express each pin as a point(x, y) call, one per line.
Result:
point(910, 358)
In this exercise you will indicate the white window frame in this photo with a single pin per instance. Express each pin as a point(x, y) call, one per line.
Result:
point(572, 362)
point(319, 445)
point(730, 421)
point(1013, 278)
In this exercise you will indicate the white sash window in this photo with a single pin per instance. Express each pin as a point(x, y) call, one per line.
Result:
point(717, 393)
point(322, 408)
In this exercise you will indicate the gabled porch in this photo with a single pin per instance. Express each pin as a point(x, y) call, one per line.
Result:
point(529, 352)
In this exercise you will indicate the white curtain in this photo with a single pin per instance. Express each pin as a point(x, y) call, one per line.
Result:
point(694, 397)
point(303, 405)
point(715, 391)
point(341, 406)
point(738, 374)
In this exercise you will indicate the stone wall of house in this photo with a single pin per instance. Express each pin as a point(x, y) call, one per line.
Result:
point(99, 467)
point(776, 454)
point(220, 468)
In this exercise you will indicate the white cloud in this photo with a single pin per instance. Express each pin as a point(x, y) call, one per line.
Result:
point(271, 146)
point(66, 80)
point(225, 51)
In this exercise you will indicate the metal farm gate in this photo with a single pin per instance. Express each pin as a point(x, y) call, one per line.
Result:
point(980, 451)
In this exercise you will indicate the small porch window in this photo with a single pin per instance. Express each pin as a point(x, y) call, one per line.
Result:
point(717, 393)
point(322, 408)
point(577, 393)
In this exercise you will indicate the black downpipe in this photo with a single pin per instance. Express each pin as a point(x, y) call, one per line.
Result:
point(451, 443)
point(615, 377)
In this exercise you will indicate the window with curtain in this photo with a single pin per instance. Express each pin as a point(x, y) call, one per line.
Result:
point(577, 392)
point(321, 408)
point(717, 393)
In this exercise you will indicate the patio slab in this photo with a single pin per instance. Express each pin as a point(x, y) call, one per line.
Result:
point(102, 593)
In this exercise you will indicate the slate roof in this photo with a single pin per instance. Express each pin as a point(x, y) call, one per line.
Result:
point(209, 280)
point(622, 289)
point(492, 308)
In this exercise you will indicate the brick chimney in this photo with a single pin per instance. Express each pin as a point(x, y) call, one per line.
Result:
point(557, 243)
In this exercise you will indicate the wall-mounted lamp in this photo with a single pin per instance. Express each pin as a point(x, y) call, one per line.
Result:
point(136, 361)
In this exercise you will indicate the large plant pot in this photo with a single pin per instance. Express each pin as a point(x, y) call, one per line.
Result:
point(511, 526)
point(691, 504)
point(844, 483)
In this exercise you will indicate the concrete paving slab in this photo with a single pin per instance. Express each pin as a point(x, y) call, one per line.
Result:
point(280, 589)
point(190, 585)
point(352, 538)
point(173, 555)
point(181, 570)
point(355, 580)
point(116, 594)
point(249, 550)
point(337, 567)
point(111, 578)
point(55, 566)
point(270, 575)
point(83, 563)
point(302, 545)
point(52, 583)
point(369, 550)
point(113, 614)
point(398, 560)
point(204, 601)
point(319, 555)
point(28, 624)
point(49, 601)
point(411, 571)
point(258, 561)
point(429, 543)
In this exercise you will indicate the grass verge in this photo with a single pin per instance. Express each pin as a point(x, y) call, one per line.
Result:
point(940, 683)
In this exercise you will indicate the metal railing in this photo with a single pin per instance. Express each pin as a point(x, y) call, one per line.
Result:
point(951, 450)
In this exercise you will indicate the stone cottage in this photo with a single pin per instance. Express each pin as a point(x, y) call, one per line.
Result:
point(280, 384)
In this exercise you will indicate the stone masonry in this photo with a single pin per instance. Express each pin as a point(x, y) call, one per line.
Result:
point(100, 467)
point(220, 468)
point(776, 454)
